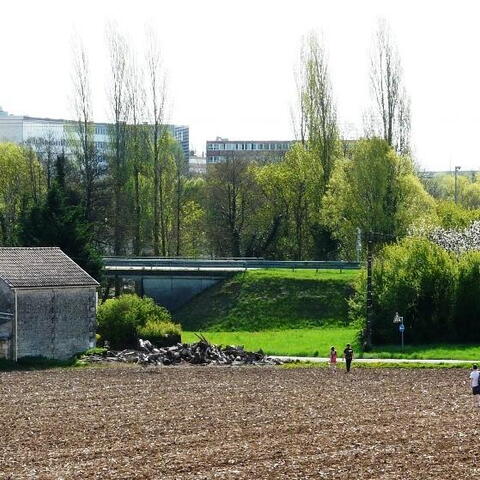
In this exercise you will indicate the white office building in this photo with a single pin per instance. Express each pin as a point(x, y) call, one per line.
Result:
point(36, 132)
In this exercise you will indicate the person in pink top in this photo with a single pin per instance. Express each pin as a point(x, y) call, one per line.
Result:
point(333, 359)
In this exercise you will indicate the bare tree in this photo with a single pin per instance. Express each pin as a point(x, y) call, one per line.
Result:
point(156, 96)
point(82, 135)
point(136, 144)
point(317, 123)
point(391, 113)
point(47, 148)
point(119, 108)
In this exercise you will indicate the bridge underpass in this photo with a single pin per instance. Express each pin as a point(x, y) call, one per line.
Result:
point(173, 282)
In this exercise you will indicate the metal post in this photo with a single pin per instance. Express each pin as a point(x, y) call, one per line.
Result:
point(457, 168)
point(403, 327)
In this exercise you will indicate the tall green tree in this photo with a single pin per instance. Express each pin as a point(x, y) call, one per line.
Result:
point(374, 191)
point(293, 190)
point(59, 223)
point(318, 131)
point(22, 185)
point(230, 202)
point(317, 111)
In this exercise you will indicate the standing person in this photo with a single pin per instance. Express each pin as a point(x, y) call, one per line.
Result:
point(333, 360)
point(474, 378)
point(348, 356)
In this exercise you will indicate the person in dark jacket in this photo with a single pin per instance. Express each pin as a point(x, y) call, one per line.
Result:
point(348, 356)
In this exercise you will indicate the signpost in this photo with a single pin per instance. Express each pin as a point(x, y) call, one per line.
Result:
point(401, 327)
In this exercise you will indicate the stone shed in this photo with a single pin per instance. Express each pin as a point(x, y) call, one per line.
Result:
point(47, 304)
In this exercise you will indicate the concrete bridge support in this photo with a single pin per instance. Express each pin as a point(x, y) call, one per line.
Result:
point(173, 291)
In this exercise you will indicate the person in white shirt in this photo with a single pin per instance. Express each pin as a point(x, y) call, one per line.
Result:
point(474, 378)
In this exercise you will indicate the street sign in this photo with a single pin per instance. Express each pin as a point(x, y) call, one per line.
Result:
point(397, 318)
point(401, 327)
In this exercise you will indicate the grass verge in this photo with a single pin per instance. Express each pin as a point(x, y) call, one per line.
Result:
point(42, 363)
point(423, 352)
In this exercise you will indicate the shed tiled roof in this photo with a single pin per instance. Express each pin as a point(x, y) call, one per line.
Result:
point(41, 267)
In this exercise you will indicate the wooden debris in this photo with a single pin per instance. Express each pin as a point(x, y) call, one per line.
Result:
point(198, 353)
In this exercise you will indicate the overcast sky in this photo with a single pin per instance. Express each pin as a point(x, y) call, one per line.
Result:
point(230, 63)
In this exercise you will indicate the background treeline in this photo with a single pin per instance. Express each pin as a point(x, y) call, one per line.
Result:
point(136, 197)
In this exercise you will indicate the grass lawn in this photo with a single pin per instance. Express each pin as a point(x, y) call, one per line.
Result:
point(295, 342)
point(317, 342)
point(434, 351)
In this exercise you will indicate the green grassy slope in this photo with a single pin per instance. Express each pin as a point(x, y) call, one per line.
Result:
point(271, 299)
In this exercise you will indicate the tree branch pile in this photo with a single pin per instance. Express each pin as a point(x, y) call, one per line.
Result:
point(198, 353)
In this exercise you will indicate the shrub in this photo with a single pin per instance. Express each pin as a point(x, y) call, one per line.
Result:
point(417, 279)
point(467, 304)
point(160, 333)
point(119, 319)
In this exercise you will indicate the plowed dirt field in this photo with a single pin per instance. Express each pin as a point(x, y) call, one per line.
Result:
point(237, 423)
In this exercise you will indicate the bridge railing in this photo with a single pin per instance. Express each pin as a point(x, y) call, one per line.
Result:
point(116, 263)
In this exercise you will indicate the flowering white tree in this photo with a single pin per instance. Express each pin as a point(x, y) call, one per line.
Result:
point(457, 241)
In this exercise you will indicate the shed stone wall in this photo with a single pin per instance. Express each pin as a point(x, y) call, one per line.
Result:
point(6, 306)
point(55, 322)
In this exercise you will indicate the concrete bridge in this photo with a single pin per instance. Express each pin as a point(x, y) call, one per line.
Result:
point(174, 281)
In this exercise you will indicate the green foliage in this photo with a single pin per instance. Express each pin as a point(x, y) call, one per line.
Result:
point(451, 215)
point(435, 291)
point(442, 187)
point(38, 363)
point(293, 192)
point(58, 223)
point(21, 186)
point(157, 332)
point(119, 319)
point(467, 304)
point(271, 299)
point(417, 278)
point(376, 190)
point(94, 351)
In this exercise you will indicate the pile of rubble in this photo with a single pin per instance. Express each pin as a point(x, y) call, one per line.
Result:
point(198, 353)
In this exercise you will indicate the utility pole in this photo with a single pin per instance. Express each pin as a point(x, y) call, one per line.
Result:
point(457, 168)
point(372, 237)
